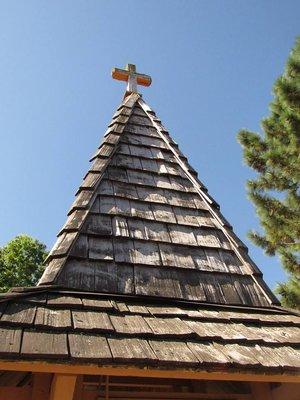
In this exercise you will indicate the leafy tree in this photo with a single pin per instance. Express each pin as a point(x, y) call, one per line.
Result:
point(21, 262)
point(275, 191)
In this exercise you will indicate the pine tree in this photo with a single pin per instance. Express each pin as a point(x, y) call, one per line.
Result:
point(275, 191)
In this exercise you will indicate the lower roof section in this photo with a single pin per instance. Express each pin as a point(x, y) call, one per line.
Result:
point(85, 328)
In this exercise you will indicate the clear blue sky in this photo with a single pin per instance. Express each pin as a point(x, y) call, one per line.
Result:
point(213, 64)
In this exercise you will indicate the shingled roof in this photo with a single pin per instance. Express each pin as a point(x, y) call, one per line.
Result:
point(147, 270)
point(143, 224)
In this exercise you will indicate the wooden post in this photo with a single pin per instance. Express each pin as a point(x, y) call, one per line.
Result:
point(63, 387)
point(41, 386)
point(261, 391)
point(78, 393)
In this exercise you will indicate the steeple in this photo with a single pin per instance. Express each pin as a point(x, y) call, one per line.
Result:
point(143, 224)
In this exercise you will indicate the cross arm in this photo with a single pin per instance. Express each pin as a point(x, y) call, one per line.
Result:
point(122, 75)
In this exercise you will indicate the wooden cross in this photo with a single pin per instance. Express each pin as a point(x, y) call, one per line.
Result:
point(132, 78)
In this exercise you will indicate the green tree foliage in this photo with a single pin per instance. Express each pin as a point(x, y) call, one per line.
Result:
point(21, 262)
point(275, 191)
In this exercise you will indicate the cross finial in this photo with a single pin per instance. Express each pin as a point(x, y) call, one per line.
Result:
point(132, 78)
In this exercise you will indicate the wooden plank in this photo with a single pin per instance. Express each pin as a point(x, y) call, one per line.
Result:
point(140, 151)
point(123, 250)
point(123, 206)
point(173, 255)
point(89, 347)
point(130, 324)
point(44, 344)
point(238, 354)
point(92, 320)
point(125, 190)
point(59, 300)
point(78, 274)
point(63, 243)
point(105, 187)
point(138, 309)
point(80, 247)
point(112, 278)
point(97, 304)
point(52, 270)
point(146, 253)
point(62, 387)
point(157, 231)
point(98, 224)
point(169, 327)
point(141, 178)
point(10, 341)
point(75, 220)
point(207, 354)
point(163, 213)
point(19, 313)
point(47, 317)
point(173, 352)
point(90, 181)
point(182, 235)
point(207, 237)
point(166, 311)
point(137, 229)
point(141, 210)
point(126, 350)
point(100, 249)
point(117, 174)
point(41, 384)
point(153, 195)
point(187, 216)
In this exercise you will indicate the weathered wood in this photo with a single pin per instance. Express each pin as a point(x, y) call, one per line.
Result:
point(206, 353)
point(182, 235)
point(64, 301)
point(19, 313)
point(62, 387)
point(97, 304)
point(92, 320)
point(44, 344)
point(131, 350)
point(146, 253)
point(47, 317)
point(169, 327)
point(89, 347)
point(100, 249)
point(10, 341)
point(173, 352)
point(130, 324)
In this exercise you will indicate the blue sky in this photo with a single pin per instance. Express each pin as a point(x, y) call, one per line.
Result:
point(213, 64)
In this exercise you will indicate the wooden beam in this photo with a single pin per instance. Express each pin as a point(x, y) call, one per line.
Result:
point(90, 369)
point(63, 387)
point(261, 391)
point(15, 393)
point(41, 386)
